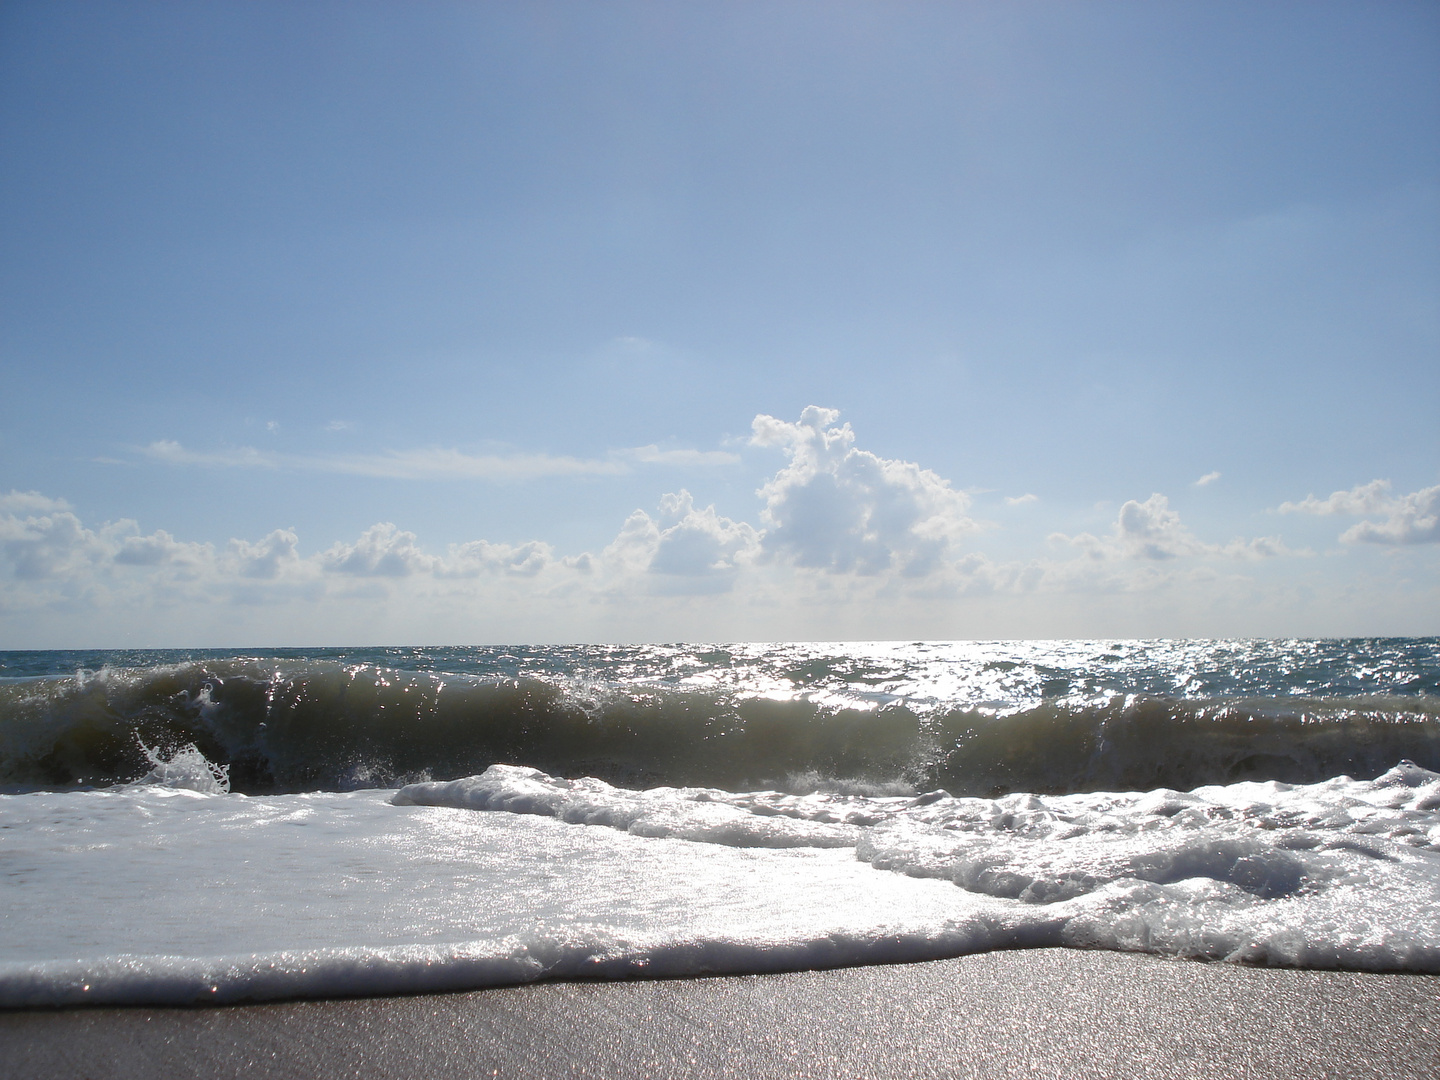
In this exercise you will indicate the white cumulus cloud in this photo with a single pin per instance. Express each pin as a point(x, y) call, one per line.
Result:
point(47, 545)
point(150, 550)
point(30, 502)
point(1408, 519)
point(57, 546)
point(683, 542)
point(838, 508)
point(482, 557)
point(267, 559)
point(383, 550)
point(1371, 498)
point(1152, 531)
point(699, 542)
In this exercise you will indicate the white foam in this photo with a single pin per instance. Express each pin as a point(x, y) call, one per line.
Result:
point(702, 814)
point(184, 767)
point(170, 895)
point(1344, 873)
point(158, 895)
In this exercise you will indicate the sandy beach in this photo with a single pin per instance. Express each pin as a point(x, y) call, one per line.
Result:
point(1047, 1012)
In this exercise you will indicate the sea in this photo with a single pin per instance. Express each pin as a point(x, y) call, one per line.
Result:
point(183, 827)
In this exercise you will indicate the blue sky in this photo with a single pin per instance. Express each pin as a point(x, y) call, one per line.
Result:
point(443, 296)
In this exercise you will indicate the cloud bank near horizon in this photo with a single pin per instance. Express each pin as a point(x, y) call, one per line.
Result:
point(840, 534)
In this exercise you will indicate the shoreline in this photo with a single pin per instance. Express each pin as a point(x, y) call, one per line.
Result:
point(1059, 1012)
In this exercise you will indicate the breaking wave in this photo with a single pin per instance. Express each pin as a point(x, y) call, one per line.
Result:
point(269, 726)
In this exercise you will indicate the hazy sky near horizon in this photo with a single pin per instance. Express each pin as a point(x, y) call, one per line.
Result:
point(412, 323)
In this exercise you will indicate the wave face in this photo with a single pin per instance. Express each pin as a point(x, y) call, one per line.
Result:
point(979, 719)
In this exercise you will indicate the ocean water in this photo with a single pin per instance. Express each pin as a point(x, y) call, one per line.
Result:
point(200, 826)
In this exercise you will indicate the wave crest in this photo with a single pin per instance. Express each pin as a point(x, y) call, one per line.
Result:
point(324, 725)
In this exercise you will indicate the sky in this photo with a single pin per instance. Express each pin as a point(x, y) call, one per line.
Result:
point(423, 323)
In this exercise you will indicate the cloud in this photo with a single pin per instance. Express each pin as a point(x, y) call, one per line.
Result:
point(679, 570)
point(30, 502)
point(1409, 519)
point(57, 545)
point(634, 546)
point(842, 542)
point(683, 543)
point(1371, 498)
point(1152, 531)
point(427, 464)
point(697, 543)
point(482, 557)
point(269, 557)
point(1208, 479)
point(837, 508)
point(382, 551)
point(241, 457)
point(339, 425)
point(436, 463)
point(1259, 547)
point(47, 545)
point(1416, 520)
point(653, 455)
point(1142, 530)
point(150, 550)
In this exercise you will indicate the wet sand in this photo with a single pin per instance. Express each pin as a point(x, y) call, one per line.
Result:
point(1048, 1012)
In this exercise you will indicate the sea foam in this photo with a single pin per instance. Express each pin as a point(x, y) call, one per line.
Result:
point(1341, 873)
point(150, 894)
